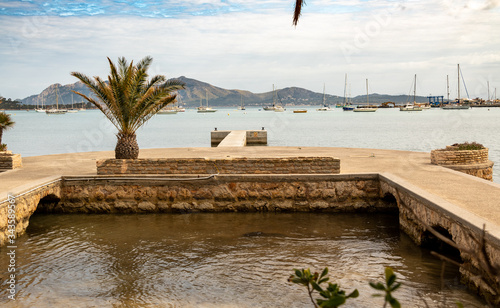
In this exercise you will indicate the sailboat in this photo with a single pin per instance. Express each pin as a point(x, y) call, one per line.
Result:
point(325, 107)
point(39, 109)
point(178, 107)
point(242, 106)
point(168, 110)
point(367, 108)
point(412, 107)
point(458, 105)
point(56, 110)
point(347, 104)
point(205, 109)
point(72, 109)
point(274, 107)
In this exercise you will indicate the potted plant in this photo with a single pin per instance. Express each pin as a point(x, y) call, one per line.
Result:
point(467, 157)
point(5, 123)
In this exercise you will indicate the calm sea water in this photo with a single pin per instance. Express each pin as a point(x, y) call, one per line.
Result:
point(205, 260)
point(40, 134)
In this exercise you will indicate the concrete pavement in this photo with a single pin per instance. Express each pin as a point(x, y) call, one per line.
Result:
point(472, 194)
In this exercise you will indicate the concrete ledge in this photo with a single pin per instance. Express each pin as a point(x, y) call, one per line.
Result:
point(10, 161)
point(250, 137)
point(236, 138)
point(290, 165)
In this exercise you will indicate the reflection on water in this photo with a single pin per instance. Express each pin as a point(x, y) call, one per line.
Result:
point(217, 260)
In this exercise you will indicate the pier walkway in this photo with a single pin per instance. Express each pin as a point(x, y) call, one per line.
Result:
point(475, 198)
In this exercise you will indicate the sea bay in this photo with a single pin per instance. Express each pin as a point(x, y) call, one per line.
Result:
point(40, 134)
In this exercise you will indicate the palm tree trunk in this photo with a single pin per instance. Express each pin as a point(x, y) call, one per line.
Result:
point(1, 133)
point(126, 147)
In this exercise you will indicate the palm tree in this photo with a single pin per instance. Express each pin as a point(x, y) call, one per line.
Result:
point(5, 123)
point(128, 99)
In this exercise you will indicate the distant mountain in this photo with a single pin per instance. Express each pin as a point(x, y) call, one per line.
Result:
point(197, 92)
point(49, 96)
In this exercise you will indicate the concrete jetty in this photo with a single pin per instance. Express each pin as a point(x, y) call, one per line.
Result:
point(238, 138)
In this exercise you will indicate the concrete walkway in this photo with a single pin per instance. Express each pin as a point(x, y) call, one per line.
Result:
point(236, 138)
point(479, 197)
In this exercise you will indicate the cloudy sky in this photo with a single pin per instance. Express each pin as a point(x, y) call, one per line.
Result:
point(251, 45)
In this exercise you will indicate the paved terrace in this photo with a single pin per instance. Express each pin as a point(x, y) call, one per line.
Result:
point(475, 198)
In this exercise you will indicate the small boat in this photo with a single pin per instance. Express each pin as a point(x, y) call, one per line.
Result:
point(458, 105)
point(325, 107)
point(347, 104)
point(279, 109)
point(367, 108)
point(274, 107)
point(56, 110)
point(39, 109)
point(300, 111)
point(72, 109)
point(242, 106)
point(412, 107)
point(206, 109)
point(178, 107)
point(168, 111)
point(364, 109)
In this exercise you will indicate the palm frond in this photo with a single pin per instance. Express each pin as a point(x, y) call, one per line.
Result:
point(297, 11)
point(128, 99)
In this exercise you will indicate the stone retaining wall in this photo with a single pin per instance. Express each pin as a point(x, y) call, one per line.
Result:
point(10, 161)
point(250, 193)
point(418, 212)
point(473, 162)
point(296, 165)
point(25, 205)
point(320, 193)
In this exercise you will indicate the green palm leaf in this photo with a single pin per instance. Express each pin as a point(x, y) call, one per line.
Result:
point(129, 99)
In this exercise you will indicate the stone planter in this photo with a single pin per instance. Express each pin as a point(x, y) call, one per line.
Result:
point(10, 161)
point(473, 162)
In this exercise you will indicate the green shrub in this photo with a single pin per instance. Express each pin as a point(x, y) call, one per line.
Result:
point(468, 146)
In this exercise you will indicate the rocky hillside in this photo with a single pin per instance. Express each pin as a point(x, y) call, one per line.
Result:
point(197, 92)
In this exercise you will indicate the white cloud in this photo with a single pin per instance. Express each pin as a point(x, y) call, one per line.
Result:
point(254, 50)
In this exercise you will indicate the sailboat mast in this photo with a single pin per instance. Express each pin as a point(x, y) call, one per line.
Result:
point(458, 68)
point(57, 99)
point(448, 88)
point(345, 89)
point(323, 94)
point(415, 90)
point(367, 99)
point(274, 96)
point(488, 90)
